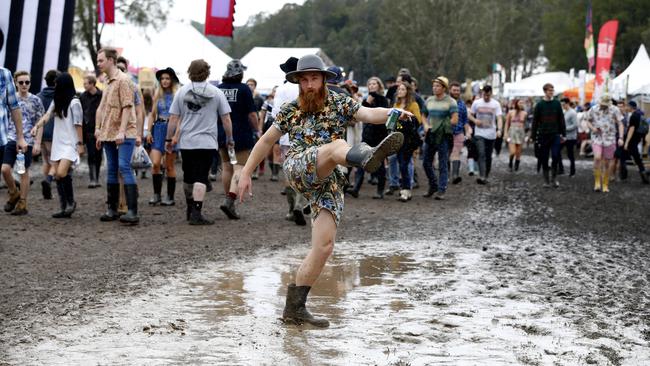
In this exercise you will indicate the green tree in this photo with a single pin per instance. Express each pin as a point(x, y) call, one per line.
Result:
point(88, 33)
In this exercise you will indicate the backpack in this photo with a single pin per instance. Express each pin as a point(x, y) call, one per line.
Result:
point(644, 126)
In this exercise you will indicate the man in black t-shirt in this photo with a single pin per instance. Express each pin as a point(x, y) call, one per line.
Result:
point(632, 139)
point(245, 130)
point(90, 100)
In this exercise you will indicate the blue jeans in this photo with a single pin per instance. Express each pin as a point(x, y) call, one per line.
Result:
point(484, 148)
point(394, 171)
point(549, 145)
point(429, 152)
point(405, 161)
point(118, 158)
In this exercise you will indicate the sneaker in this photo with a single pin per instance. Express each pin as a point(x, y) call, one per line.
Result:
point(391, 190)
point(439, 196)
point(471, 173)
point(12, 201)
point(378, 196)
point(354, 193)
point(212, 177)
point(481, 181)
point(254, 176)
point(20, 209)
point(457, 180)
point(430, 192)
point(556, 184)
point(405, 195)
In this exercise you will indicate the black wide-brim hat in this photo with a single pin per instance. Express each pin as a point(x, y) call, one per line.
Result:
point(169, 71)
point(309, 63)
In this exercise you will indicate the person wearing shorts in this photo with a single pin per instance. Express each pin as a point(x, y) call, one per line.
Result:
point(245, 130)
point(193, 117)
point(316, 123)
point(32, 110)
point(462, 131)
point(515, 133)
point(604, 121)
point(158, 122)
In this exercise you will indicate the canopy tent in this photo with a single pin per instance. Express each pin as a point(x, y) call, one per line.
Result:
point(532, 86)
point(635, 77)
point(263, 64)
point(645, 90)
point(175, 46)
point(574, 93)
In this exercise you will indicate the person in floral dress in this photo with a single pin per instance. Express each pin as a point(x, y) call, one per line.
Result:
point(316, 123)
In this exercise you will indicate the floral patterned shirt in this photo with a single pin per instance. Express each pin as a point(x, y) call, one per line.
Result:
point(117, 96)
point(32, 110)
point(607, 121)
point(315, 129)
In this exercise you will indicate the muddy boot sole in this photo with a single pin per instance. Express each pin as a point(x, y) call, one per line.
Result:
point(388, 146)
point(299, 218)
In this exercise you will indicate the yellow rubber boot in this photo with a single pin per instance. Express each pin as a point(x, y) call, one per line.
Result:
point(606, 182)
point(596, 180)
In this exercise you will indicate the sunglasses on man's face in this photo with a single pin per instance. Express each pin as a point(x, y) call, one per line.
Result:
point(24, 82)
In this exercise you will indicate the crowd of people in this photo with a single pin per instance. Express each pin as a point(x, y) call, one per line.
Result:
point(319, 129)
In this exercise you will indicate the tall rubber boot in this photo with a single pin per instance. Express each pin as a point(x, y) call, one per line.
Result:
point(295, 311)
point(606, 181)
point(91, 176)
point(370, 158)
point(62, 201)
point(291, 200)
point(510, 167)
point(298, 214)
point(597, 183)
point(71, 205)
point(455, 172)
point(547, 179)
point(157, 188)
point(131, 217)
point(381, 185)
point(112, 199)
point(171, 190)
point(189, 199)
point(275, 169)
point(517, 165)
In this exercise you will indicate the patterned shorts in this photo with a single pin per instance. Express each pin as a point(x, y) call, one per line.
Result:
point(326, 193)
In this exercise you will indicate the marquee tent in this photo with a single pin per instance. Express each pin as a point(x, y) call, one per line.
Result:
point(532, 86)
point(263, 64)
point(176, 45)
point(636, 76)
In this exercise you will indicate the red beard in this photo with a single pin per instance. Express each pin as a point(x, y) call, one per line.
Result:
point(312, 101)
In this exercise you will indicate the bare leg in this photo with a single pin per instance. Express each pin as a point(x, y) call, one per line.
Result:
point(234, 180)
point(9, 178)
point(24, 185)
point(226, 175)
point(329, 156)
point(322, 238)
point(156, 161)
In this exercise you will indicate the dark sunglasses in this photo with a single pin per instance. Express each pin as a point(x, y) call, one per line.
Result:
point(25, 82)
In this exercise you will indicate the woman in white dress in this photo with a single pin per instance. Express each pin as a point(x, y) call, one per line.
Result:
point(67, 141)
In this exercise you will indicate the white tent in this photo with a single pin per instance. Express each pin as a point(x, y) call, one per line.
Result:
point(176, 45)
point(645, 90)
point(636, 76)
point(532, 86)
point(263, 64)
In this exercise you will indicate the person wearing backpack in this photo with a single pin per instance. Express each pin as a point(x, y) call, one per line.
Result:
point(636, 132)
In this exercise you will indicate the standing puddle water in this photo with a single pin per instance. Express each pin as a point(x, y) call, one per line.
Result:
point(409, 303)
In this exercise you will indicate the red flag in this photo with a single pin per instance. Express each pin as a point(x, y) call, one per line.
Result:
point(606, 43)
point(219, 16)
point(105, 11)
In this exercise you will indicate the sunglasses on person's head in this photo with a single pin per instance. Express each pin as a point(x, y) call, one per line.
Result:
point(24, 82)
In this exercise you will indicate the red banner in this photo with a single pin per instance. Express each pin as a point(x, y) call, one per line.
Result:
point(219, 16)
point(606, 43)
point(105, 11)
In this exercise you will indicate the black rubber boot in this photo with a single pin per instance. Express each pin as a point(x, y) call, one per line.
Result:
point(91, 176)
point(644, 177)
point(157, 188)
point(370, 158)
point(62, 201)
point(112, 199)
point(228, 207)
point(455, 172)
point(295, 311)
point(131, 217)
point(171, 190)
point(517, 165)
point(275, 169)
point(510, 167)
point(196, 218)
point(71, 205)
point(381, 185)
point(291, 200)
point(547, 179)
point(298, 213)
point(189, 199)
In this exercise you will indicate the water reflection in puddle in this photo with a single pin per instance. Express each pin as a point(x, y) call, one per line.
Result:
point(421, 303)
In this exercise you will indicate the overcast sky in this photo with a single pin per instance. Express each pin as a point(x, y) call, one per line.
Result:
point(244, 9)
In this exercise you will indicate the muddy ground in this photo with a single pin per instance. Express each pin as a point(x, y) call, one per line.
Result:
point(584, 257)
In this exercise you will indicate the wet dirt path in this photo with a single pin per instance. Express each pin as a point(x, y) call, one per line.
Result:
point(504, 274)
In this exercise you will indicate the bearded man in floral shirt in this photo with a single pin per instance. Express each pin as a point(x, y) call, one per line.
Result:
point(316, 123)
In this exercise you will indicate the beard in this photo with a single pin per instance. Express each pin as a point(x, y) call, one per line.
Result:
point(312, 101)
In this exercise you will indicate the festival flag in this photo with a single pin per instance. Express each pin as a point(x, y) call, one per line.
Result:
point(106, 11)
point(589, 39)
point(606, 43)
point(219, 16)
point(37, 36)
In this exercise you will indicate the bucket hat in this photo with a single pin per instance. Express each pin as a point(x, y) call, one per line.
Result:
point(605, 100)
point(309, 63)
point(169, 71)
point(234, 68)
point(442, 81)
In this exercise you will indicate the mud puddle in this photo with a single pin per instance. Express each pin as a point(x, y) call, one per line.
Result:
point(406, 303)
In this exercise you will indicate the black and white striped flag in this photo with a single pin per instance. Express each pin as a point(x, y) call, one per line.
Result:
point(35, 36)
